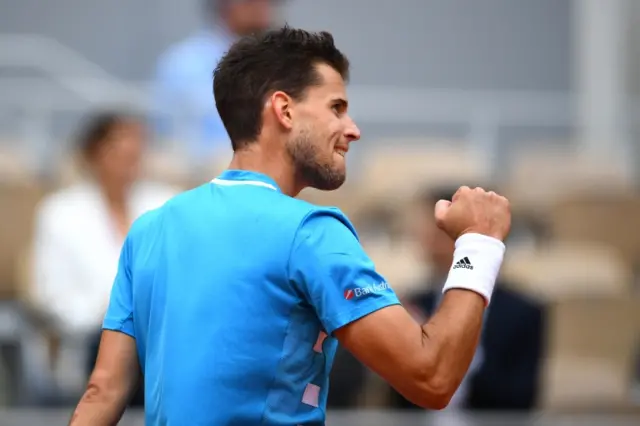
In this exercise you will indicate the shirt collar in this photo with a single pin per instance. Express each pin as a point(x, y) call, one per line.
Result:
point(245, 177)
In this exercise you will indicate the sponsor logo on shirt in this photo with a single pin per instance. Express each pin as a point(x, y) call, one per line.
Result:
point(363, 291)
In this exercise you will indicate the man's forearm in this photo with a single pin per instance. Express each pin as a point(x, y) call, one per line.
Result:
point(451, 336)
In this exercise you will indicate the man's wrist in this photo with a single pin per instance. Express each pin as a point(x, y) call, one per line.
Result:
point(476, 264)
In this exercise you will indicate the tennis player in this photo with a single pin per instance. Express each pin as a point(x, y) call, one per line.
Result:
point(230, 299)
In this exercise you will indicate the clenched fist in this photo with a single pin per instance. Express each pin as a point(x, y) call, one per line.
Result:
point(474, 211)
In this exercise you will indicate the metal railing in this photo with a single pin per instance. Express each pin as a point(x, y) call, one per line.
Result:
point(73, 85)
point(34, 417)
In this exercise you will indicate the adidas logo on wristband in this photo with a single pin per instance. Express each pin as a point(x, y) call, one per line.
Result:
point(463, 263)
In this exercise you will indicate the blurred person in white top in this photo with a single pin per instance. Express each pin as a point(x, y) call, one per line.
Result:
point(80, 229)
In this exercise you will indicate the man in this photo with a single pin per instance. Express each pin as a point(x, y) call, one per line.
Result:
point(185, 110)
point(231, 299)
point(505, 370)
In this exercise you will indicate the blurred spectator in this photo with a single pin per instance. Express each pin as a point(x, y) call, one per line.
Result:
point(504, 373)
point(80, 229)
point(346, 382)
point(183, 80)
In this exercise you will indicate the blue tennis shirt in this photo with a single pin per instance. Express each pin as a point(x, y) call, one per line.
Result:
point(232, 292)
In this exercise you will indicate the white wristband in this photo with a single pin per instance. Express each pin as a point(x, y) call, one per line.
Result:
point(476, 264)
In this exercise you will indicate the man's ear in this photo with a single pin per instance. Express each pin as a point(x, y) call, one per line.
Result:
point(282, 107)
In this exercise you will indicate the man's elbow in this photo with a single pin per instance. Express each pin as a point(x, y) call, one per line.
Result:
point(434, 395)
point(433, 388)
point(104, 388)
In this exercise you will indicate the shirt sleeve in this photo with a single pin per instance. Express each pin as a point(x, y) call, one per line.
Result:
point(119, 315)
point(334, 274)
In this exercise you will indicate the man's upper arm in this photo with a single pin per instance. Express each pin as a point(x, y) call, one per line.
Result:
point(117, 370)
point(113, 381)
point(330, 268)
point(354, 303)
point(388, 342)
point(117, 367)
point(119, 316)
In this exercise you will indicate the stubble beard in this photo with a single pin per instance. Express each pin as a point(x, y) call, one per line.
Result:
point(310, 168)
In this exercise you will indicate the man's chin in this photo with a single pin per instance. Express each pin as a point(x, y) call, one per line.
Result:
point(327, 186)
point(328, 182)
point(322, 178)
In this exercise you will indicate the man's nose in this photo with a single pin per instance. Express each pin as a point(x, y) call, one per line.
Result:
point(352, 132)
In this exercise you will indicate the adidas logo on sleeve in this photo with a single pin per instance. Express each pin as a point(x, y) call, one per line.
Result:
point(463, 263)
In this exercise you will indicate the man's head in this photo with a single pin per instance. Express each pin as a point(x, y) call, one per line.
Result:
point(286, 90)
point(242, 17)
point(436, 246)
point(111, 145)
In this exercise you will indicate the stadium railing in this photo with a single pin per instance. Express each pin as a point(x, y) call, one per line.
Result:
point(368, 418)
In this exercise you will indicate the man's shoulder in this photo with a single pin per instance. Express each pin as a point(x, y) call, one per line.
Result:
point(276, 208)
point(311, 215)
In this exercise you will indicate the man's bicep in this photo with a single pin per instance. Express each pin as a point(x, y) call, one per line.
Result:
point(117, 369)
point(118, 356)
point(388, 342)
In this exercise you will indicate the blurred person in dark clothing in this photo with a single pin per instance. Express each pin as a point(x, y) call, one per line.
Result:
point(504, 373)
point(346, 381)
point(184, 74)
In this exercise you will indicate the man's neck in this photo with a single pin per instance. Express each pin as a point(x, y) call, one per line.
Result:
point(254, 158)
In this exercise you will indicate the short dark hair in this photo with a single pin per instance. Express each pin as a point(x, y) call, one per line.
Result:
point(258, 65)
point(97, 128)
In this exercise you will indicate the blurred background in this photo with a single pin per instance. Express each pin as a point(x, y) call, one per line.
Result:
point(106, 111)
